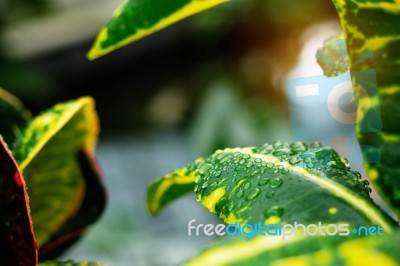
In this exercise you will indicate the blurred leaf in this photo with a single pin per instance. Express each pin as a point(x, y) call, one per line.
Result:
point(25, 81)
point(322, 251)
point(332, 57)
point(17, 240)
point(14, 116)
point(225, 119)
point(372, 33)
point(47, 154)
point(251, 185)
point(136, 19)
point(69, 263)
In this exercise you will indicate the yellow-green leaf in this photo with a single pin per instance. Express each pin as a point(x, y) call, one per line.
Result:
point(372, 33)
point(136, 19)
point(303, 251)
point(282, 182)
point(170, 187)
point(68, 263)
point(47, 154)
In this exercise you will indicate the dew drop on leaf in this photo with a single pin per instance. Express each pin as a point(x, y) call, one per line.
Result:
point(270, 194)
point(204, 168)
point(274, 211)
point(254, 194)
point(263, 181)
point(240, 193)
point(275, 182)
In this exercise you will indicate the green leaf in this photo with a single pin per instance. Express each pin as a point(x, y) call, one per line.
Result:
point(136, 19)
point(68, 263)
point(47, 154)
point(17, 240)
point(284, 183)
point(322, 251)
point(90, 210)
point(372, 33)
point(170, 187)
point(13, 115)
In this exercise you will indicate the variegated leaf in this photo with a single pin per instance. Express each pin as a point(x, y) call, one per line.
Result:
point(282, 182)
point(372, 33)
point(47, 154)
point(136, 19)
point(303, 251)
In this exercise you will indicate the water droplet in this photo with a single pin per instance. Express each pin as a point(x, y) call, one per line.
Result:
point(249, 164)
point(294, 160)
point(281, 152)
point(204, 168)
point(255, 172)
point(247, 186)
point(315, 145)
point(275, 182)
point(217, 173)
point(240, 193)
point(221, 155)
point(205, 184)
point(298, 147)
point(246, 156)
point(274, 211)
point(270, 165)
point(231, 205)
point(263, 181)
point(241, 162)
point(278, 144)
point(270, 194)
point(310, 165)
point(254, 194)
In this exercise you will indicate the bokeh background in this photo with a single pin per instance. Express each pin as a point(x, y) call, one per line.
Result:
point(214, 80)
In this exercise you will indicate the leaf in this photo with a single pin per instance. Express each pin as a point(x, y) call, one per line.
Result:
point(332, 57)
point(284, 182)
point(91, 209)
point(13, 115)
point(372, 33)
point(17, 240)
point(323, 251)
point(136, 19)
point(164, 190)
point(69, 263)
point(47, 154)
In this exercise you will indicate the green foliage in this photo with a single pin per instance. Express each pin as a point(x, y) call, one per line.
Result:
point(249, 185)
point(323, 251)
point(55, 152)
point(375, 46)
point(68, 263)
point(136, 19)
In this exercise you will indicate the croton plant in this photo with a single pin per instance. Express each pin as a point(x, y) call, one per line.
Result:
point(49, 178)
point(288, 182)
point(50, 185)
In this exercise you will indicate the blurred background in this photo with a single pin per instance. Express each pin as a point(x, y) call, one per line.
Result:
point(214, 80)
